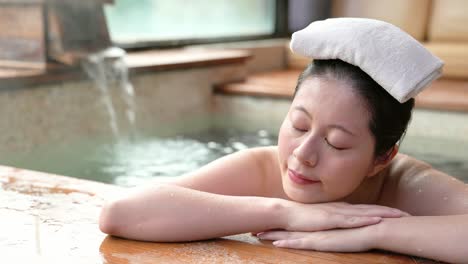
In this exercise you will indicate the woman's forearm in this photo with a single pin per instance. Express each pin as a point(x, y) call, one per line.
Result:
point(171, 213)
point(442, 238)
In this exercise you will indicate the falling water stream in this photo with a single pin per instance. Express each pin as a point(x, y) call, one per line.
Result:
point(108, 70)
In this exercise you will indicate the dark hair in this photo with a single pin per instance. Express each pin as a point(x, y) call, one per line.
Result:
point(388, 117)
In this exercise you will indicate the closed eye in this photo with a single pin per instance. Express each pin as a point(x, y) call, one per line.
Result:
point(300, 129)
point(332, 146)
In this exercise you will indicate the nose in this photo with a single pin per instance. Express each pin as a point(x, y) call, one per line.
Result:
point(306, 152)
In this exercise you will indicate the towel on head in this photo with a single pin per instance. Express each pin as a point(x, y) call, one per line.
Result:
point(394, 59)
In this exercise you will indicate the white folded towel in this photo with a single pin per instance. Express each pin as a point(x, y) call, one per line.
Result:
point(395, 60)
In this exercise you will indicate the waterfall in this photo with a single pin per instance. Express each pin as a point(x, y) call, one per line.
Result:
point(108, 70)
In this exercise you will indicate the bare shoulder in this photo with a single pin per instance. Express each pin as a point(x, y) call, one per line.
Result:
point(417, 188)
point(244, 173)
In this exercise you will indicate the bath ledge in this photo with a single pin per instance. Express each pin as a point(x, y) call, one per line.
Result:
point(143, 61)
point(51, 217)
point(443, 94)
point(184, 58)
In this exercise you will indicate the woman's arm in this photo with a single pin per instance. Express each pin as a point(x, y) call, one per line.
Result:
point(221, 198)
point(172, 213)
point(442, 238)
point(438, 228)
point(415, 187)
point(439, 205)
point(235, 194)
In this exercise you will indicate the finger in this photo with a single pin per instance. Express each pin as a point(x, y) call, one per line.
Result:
point(269, 230)
point(293, 243)
point(281, 235)
point(310, 243)
point(346, 221)
point(406, 214)
point(362, 209)
point(375, 206)
point(371, 210)
point(337, 204)
point(382, 211)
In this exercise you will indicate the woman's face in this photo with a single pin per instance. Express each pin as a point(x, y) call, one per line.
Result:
point(325, 145)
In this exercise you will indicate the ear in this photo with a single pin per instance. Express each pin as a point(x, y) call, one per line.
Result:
point(381, 162)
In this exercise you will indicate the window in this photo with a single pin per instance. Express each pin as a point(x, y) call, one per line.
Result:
point(133, 22)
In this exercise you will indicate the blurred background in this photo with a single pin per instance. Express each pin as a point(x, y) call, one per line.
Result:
point(126, 91)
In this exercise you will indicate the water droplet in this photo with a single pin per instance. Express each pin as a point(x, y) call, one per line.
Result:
point(172, 194)
point(239, 145)
point(445, 198)
point(419, 250)
point(212, 145)
point(265, 141)
point(262, 133)
point(228, 150)
point(419, 191)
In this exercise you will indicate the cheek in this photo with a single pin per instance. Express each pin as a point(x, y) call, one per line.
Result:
point(359, 163)
point(286, 142)
point(354, 165)
point(346, 174)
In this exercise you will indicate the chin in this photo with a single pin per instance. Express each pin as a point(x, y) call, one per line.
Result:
point(301, 199)
point(304, 195)
point(299, 195)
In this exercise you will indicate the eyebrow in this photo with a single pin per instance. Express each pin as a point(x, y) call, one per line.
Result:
point(302, 109)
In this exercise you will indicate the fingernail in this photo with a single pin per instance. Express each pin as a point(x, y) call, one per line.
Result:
point(277, 243)
point(396, 211)
point(260, 234)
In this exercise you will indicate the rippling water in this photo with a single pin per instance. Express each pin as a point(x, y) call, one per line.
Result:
point(130, 163)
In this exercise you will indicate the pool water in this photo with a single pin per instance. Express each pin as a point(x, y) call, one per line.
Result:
point(131, 163)
point(444, 154)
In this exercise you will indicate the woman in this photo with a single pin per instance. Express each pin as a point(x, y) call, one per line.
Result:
point(334, 182)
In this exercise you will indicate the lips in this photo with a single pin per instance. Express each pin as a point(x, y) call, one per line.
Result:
point(299, 179)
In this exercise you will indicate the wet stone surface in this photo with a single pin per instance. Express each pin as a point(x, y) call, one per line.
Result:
point(47, 218)
point(44, 221)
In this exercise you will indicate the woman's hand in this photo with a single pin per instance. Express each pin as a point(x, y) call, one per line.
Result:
point(318, 217)
point(338, 240)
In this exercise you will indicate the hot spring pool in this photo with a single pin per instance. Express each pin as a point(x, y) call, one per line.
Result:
point(179, 125)
point(134, 162)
